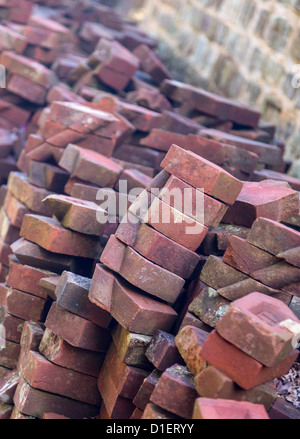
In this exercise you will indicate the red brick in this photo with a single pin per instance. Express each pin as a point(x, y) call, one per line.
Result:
point(169, 221)
point(35, 403)
point(78, 215)
point(83, 118)
point(131, 347)
point(210, 103)
point(291, 256)
point(127, 379)
point(31, 254)
point(175, 391)
point(41, 374)
point(101, 288)
point(211, 383)
point(47, 176)
point(13, 325)
point(141, 118)
point(8, 386)
point(49, 234)
point(87, 335)
point(142, 398)
point(188, 167)
point(256, 325)
point(153, 411)
point(162, 351)
point(246, 286)
point(217, 274)
point(206, 408)
point(27, 89)
point(268, 154)
point(240, 367)
point(14, 209)
point(151, 99)
point(138, 313)
point(267, 199)
point(23, 305)
point(199, 206)
point(116, 406)
point(27, 194)
point(12, 40)
point(246, 257)
point(278, 275)
point(72, 294)
point(26, 278)
point(59, 352)
point(10, 354)
point(28, 68)
point(156, 247)
point(151, 64)
point(158, 281)
point(272, 236)
point(189, 342)
point(90, 166)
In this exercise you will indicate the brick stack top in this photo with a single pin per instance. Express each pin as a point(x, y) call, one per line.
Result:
point(102, 319)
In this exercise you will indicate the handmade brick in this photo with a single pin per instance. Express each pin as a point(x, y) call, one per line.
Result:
point(59, 352)
point(162, 351)
point(246, 257)
point(49, 234)
point(266, 199)
point(175, 391)
point(90, 166)
point(35, 403)
point(142, 397)
point(23, 305)
point(258, 325)
point(240, 367)
point(44, 375)
point(188, 167)
point(189, 342)
point(72, 294)
point(26, 278)
point(138, 313)
point(158, 281)
point(272, 236)
point(131, 347)
point(87, 335)
point(156, 247)
point(207, 408)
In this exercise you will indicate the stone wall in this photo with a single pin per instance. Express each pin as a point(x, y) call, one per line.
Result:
point(248, 50)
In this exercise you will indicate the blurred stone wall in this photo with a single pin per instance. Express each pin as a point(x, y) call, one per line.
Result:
point(248, 50)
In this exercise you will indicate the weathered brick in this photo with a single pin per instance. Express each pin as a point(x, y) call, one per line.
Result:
point(142, 397)
point(189, 342)
point(156, 247)
point(72, 294)
point(49, 234)
point(209, 306)
point(188, 167)
point(206, 408)
point(87, 335)
point(240, 367)
point(41, 374)
point(175, 391)
point(34, 402)
point(162, 351)
point(158, 281)
point(272, 326)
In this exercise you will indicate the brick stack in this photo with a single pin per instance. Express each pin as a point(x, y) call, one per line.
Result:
point(108, 319)
point(141, 300)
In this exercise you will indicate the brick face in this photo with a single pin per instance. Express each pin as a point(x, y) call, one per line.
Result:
point(244, 49)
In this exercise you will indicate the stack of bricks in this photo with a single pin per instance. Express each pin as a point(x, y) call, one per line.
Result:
point(17, 11)
point(141, 301)
point(266, 262)
point(108, 319)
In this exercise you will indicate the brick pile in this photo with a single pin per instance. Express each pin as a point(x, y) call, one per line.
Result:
point(136, 317)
